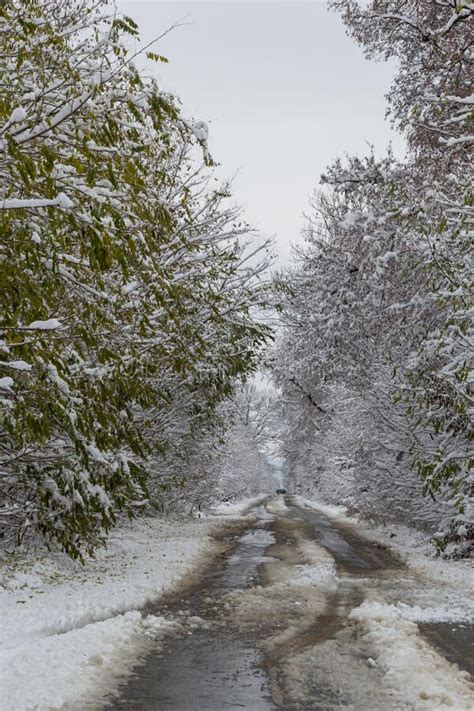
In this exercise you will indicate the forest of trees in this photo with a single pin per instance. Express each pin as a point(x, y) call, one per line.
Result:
point(134, 296)
point(375, 359)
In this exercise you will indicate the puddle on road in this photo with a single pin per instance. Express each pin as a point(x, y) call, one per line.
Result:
point(210, 668)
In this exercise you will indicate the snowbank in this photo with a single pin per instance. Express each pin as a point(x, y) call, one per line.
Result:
point(70, 632)
point(77, 669)
point(418, 675)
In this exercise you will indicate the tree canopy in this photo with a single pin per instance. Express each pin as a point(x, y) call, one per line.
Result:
point(130, 285)
point(377, 341)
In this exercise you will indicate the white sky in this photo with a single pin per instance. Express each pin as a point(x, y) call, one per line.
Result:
point(283, 89)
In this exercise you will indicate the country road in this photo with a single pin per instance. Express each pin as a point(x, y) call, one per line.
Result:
point(302, 612)
point(236, 262)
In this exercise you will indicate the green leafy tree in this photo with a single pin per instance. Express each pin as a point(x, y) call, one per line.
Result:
point(127, 303)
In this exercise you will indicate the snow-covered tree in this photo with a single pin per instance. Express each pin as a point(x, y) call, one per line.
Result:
point(244, 466)
point(380, 304)
point(431, 100)
point(129, 289)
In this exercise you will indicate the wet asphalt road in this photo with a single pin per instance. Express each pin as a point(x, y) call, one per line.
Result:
point(212, 668)
point(242, 627)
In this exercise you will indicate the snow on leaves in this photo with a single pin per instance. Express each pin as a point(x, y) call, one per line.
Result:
point(386, 280)
point(125, 278)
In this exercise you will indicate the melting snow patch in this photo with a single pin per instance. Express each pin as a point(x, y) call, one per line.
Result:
point(322, 569)
point(418, 675)
point(237, 508)
point(439, 613)
point(277, 506)
point(336, 512)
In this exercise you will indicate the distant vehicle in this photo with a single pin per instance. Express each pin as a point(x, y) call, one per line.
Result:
point(280, 490)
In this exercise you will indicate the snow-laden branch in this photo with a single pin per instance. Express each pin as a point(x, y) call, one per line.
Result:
point(61, 201)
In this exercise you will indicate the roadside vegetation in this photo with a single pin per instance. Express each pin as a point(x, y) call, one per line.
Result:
point(135, 297)
point(129, 282)
point(375, 360)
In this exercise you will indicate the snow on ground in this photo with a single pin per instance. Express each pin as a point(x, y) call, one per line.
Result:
point(69, 631)
point(337, 512)
point(237, 508)
point(419, 676)
point(277, 506)
point(412, 546)
point(438, 591)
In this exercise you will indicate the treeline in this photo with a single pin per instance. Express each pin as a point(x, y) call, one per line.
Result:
point(128, 285)
point(375, 362)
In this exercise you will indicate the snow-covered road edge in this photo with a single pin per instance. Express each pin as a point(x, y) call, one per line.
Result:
point(412, 546)
point(238, 508)
point(421, 678)
point(70, 632)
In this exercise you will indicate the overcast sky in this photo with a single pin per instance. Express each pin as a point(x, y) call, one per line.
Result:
point(283, 89)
